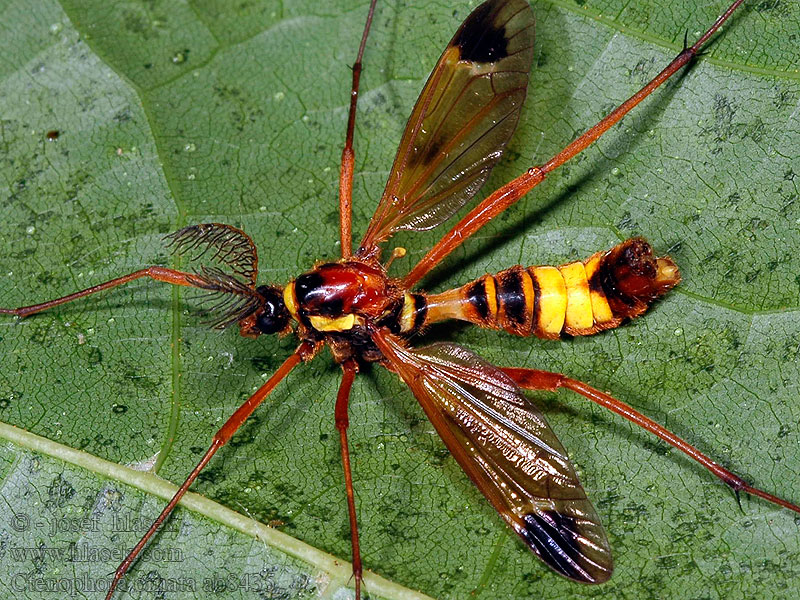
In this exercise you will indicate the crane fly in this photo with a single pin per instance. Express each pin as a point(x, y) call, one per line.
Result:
point(457, 131)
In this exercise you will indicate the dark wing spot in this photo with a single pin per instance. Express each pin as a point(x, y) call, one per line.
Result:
point(427, 154)
point(479, 39)
point(553, 536)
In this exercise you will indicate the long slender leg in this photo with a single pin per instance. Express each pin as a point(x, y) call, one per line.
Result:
point(157, 273)
point(348, 155)
point(534, 379)
point(501, 199)
point(342, 423)
point(220, 439)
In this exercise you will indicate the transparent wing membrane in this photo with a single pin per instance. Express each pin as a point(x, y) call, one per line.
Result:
point(509, 451)
point(463, 119)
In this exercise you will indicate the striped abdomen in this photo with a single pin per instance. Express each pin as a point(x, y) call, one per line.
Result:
point(579, 298)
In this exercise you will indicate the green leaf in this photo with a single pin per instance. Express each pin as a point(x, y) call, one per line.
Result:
point(170, 114)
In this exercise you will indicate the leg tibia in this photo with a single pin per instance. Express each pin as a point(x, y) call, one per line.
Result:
point(220, 439)
point(533, 379)
point(157, 273)
point(342, 423)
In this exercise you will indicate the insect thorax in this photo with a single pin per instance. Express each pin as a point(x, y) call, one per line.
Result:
point(338, 303)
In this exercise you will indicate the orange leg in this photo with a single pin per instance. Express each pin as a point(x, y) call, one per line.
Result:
point(342, 423)
point(533, 379)
point(348, 155)
point(222, 436)
point(157, 273)
point(501, 199)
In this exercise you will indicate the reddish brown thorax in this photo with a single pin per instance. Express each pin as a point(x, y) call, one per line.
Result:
point(333, 290)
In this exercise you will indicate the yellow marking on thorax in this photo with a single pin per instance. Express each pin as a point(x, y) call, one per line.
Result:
point(343, 323)
point(407, 314)
point(289, 300)
point(579, 303)
point(600, 308)
point(552, 301)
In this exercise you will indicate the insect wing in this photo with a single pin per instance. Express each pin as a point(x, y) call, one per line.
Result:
point(226, 265)
point(463, 119)
point(510, 452)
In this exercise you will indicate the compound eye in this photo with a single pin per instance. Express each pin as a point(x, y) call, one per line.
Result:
point(274, 317)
